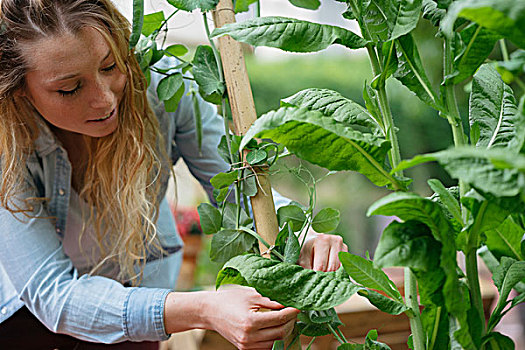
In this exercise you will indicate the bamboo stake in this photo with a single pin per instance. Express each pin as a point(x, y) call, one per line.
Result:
point(243, 113)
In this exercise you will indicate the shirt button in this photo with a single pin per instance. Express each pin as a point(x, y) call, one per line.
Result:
point(3, 311)
point(61, 192)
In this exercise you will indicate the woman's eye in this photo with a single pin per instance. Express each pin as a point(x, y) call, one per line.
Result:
point(69, 92)
point(110, 68)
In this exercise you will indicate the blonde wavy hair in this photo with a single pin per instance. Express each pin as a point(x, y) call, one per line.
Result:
point(121, 182)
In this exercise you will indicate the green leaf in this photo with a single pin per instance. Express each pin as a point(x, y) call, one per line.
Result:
point(229, 216)
point(505, 17)
point(249, 183)
point(289, 34)
point(432, 317)
point(292, 249)
point(291, 285)
point(138, 21)
point(306, 4)
point(498, 341)
point(152, 22)
point(206, 75)
point(169, 86)
point(172, 104)
point(351, 346)
point(432, 12)
point(243, 5)
point(228, 243)
point(293, 215)
point(326, 220)
point(478, 44)
point(370, 98)
point(278, 345)
point(509, 273)
point(363, 272)
point(410, 206)
point(385, 304)
point(198, 118)
point(335, 105)
point(492, 108)
point(220, 195)
point(372, 343)
point(222, 180)
point(446, 198)
point(177, 50)
point(493, 171)
point(210, 218)
point(390, 64)
point(387, 20)
point(322, 140)
point(505, 240)
point(315, 323)
point(486, 214)
point(256, 156)
point(407, 244)
point(229, 276)
point(411, 73)
point(190, 5)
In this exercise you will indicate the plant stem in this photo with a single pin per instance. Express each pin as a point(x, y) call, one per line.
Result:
point(335, 334)
point(411, 300)
point(504, 51)
point(395, 158)
point(455, 122)
point(388, 120)
point(310, 344)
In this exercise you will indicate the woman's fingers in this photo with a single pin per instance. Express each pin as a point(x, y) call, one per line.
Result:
point(321, 253)
point(275, 318)
point(275, 333)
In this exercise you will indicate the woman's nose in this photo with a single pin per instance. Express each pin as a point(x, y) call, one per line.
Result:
point(102, 97)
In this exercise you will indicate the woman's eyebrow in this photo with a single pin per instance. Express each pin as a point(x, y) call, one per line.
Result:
point(74, 75)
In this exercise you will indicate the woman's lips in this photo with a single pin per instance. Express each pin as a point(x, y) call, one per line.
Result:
point(105, 118)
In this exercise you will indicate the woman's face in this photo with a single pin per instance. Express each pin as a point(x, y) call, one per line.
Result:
point(74, 83)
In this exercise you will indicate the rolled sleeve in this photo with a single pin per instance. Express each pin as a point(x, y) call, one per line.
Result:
point(144, 314)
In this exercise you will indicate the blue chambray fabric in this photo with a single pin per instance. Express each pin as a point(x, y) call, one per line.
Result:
point(34, 271)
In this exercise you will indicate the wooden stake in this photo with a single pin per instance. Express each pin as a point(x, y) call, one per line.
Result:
point(243, 113)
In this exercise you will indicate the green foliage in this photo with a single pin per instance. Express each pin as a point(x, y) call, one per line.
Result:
point(138, 20)
point(410, 72)
point(190, 5)
point(364, 273)
point(322, 140)
point(289, 34)
point(207, 75)
point(475, 45)
point(306, 4)
point(408, 244)
point(152, 22)
point(388, 20)
point(326, 220)
point(505, 17)
point(290, 284)
point(493, 110)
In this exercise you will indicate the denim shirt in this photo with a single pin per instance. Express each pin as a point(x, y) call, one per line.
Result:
point(35, 272)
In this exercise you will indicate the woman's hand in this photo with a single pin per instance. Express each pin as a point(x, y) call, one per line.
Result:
point(236, 315)
point(240, 315)
point(320, 252)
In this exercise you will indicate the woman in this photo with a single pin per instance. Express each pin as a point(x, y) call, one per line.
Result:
point(86, 236)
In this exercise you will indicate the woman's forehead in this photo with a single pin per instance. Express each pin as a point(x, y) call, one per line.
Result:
point(62, 55)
